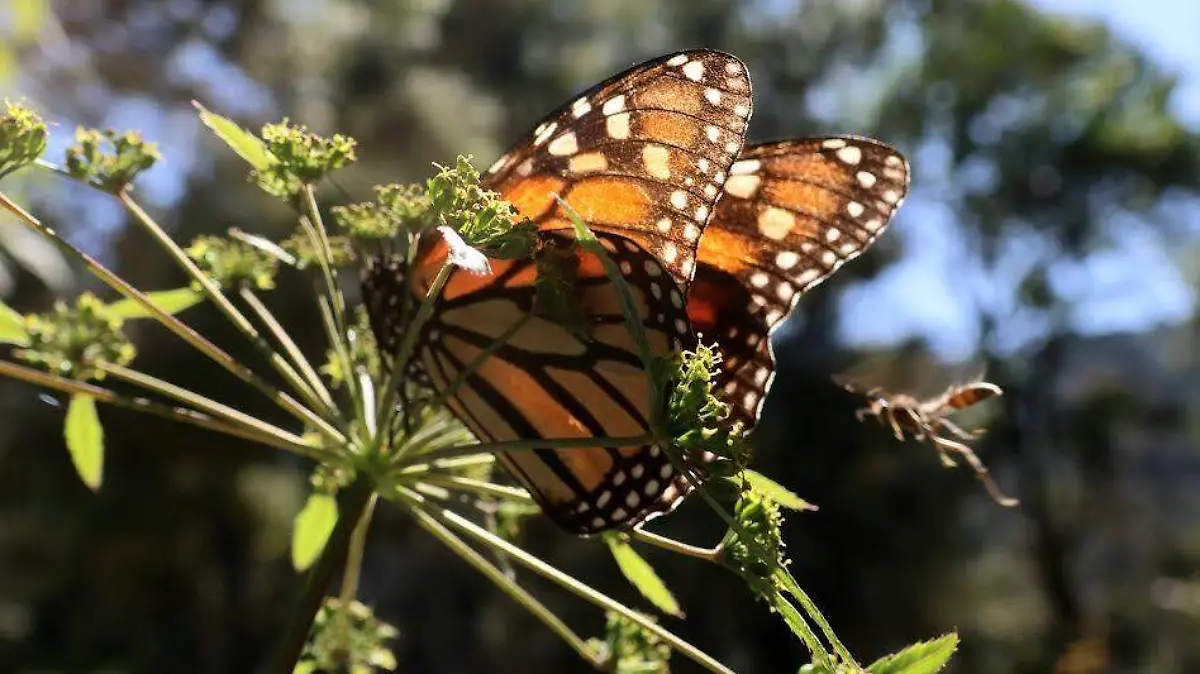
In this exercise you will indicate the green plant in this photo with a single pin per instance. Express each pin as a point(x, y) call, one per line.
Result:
point(346, 411)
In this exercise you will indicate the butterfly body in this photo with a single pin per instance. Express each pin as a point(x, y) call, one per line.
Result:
point(708, 236)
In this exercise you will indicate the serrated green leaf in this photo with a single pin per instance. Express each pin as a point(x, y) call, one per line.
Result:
point(314, 523)
point(641, 575)
point(85, 440)
point(170, 301)
point(248, 146)
point(776, 492)
point(12, 327)
point(923, 657)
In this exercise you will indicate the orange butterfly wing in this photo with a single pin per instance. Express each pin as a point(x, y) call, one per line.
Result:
point(641, 158)
point(793, 212)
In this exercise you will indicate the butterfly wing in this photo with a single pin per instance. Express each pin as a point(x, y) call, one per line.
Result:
point(793, 212)
point(642, 155)
point(641, 158)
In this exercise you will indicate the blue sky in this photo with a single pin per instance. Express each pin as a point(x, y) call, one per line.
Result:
point(1135, 285)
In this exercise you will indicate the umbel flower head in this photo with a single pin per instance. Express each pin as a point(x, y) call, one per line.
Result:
point(72, 341)
point(22, 138)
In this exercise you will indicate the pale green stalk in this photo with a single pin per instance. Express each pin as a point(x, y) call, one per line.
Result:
point(325, 402)
point(528, 445)
point(508, 585)
point(277, 438)
point(239, 320)
point(567, 582)
point(207, 405)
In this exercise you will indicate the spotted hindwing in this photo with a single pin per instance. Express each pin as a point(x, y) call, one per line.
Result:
point(793, 213)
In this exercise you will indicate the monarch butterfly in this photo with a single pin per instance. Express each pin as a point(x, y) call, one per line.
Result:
point(711, 238)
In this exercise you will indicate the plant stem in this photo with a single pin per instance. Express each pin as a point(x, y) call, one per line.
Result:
point(352, 502)
point(405, 351)
point(460, 483)
point(798, 626)
point(213, 292)
point(202, 403)
point(170, 322)
point(571, 584)
point(678, 547)
point(527, 445)
point(508, 585)
point(277, 438)
point(319, 237)
point(810, 607)
point(338, 342)
point(325, 399)
point(358, 543)
point(477, 459)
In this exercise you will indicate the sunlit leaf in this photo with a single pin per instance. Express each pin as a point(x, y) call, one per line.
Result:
point(12, 327)
point(923, 657)
point(776, 492)
point(247, 145)
point(312, 528)
point(642, 576)
point(170, 301)
point(85, 439)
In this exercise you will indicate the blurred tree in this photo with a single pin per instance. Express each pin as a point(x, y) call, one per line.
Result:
point(1047, 164)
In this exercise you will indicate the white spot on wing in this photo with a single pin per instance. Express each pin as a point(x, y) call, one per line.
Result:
point(564, 145)
point(850, 154)
point(618, 126)
point(613, 105)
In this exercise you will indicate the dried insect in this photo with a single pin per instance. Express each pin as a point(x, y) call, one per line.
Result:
point(926, 420)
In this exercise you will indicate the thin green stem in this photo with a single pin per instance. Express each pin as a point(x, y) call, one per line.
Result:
point(457, 463)
point(507, 585)
point(678, 547)
point(282, 440)
point(799, 626)
point(317, 387)
point(460, 483)
point(208, 406)
point(810, 607)
point(527, 445)
point(352, 501)
point(354, 557)
point(408, 344)
point(213, 292)
point(339, 349)
point(324, 254)
point(154, 311)
point(567, 582)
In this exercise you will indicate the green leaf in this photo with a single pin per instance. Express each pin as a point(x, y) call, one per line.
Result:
point(923, 657)
point(776, 492)
point(642, 576)
point(12, 327)
point(85, 439)
point(247, 145)
point(312, 528)
point(170, 301)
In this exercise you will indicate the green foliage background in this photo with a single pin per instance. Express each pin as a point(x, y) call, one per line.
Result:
point(181, 562)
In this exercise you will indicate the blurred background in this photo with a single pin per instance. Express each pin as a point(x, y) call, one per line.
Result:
point(1052, 232)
